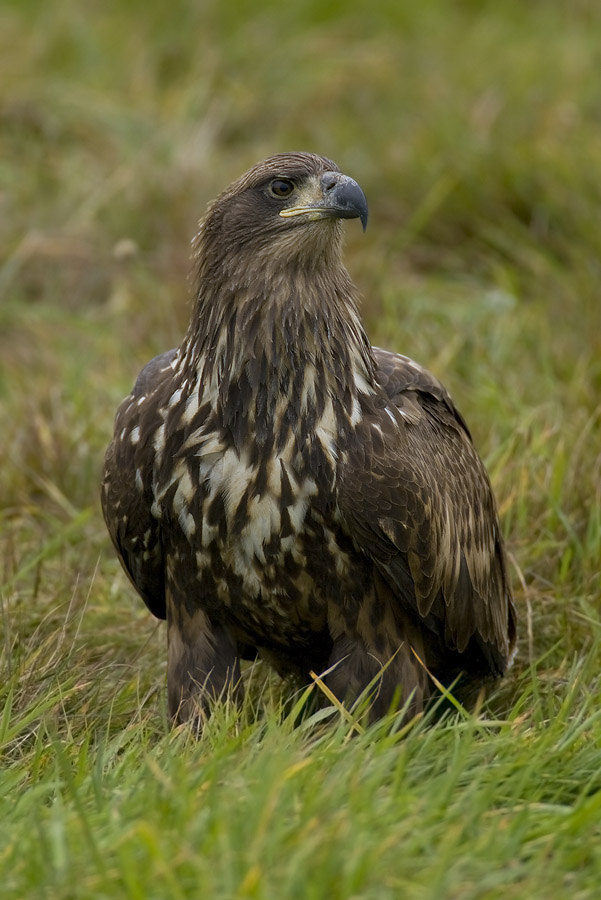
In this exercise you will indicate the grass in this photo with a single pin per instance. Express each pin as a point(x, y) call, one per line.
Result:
point(473, 129)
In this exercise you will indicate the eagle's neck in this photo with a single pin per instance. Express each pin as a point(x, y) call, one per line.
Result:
point(279, 351)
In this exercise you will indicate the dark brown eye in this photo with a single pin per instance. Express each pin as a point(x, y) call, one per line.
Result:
point(281, 187)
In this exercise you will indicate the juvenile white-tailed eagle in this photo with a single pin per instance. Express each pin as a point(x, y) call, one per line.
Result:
point(276, 485)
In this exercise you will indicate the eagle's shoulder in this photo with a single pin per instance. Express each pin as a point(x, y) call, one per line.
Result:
point(401, 377)
point(127, 484)
point(153, 374)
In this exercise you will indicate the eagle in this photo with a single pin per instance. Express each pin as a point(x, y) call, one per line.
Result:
point(277, 487)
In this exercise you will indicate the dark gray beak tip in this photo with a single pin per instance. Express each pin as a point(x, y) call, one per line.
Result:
point(344, 197)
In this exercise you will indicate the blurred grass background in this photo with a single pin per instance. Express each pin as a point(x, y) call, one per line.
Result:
point(475, 131)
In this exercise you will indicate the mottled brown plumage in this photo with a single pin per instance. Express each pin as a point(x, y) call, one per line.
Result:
point(278, 486)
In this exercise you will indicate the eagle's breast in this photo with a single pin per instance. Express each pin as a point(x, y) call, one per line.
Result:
point(256, 518)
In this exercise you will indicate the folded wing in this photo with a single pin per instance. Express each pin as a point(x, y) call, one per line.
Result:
point(127, 495)
point(416, 498)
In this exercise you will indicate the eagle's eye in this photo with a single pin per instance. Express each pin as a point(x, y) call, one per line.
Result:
point(281, 187)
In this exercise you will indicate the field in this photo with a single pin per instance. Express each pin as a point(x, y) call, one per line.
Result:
point(475, 131)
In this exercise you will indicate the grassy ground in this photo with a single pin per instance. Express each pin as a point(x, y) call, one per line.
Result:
point(474, 129)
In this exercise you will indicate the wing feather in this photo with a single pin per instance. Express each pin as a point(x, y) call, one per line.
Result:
point(416, 498)
point(127, 495)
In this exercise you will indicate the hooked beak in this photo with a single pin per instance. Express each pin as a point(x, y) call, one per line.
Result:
point(341, 198)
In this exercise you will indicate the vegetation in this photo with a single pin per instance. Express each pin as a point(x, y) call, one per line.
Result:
point(474, 130)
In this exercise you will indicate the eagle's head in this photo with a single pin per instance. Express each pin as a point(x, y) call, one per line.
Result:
point(270, 280)
point(286, 208)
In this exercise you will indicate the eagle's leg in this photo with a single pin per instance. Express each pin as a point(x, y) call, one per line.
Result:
point(386, 680)
point(203, 664)
point(374, 658)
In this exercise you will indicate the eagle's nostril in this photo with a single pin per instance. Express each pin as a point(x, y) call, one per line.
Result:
point(329, 181)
